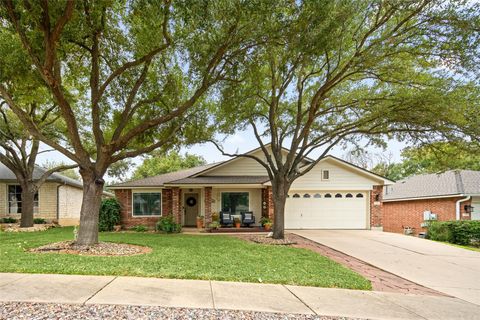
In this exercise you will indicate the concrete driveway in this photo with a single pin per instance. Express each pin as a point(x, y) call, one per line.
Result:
point(451, 270)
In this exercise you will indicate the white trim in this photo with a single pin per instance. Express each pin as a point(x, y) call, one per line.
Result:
point(217, 185)
point(148, 216)
point(133, 188)
point(421, 198)
point(234, 191)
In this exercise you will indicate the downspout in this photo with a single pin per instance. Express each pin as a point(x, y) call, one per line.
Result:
point(58, 200)
point(457, 206)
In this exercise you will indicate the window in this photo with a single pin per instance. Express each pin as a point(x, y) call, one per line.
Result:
point(317, 195)
point(359, 195)
point(15, 200)
point(349, 195)
point(328, 195)
point(338, 195)
point(325, 175)
point(147, 204)
point(296, 195)
point(235, 202)
point(306, 195)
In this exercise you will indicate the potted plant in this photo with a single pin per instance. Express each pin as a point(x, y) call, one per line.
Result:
point(215, 216)
point(199, 222)
point(214, 226)
point(237, 222)
point(266, 223)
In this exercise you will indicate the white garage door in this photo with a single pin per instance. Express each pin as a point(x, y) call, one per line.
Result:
point(326, 210)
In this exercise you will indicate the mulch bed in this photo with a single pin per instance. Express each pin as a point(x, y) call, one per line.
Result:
point(99, 249)
point(381, 280)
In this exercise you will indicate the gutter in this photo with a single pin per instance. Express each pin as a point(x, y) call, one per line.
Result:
point(58, 199)
point(457, 206)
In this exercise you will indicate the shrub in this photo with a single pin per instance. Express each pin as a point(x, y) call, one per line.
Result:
point(464, 232)
point(139, 228)
point(215, 217)
point(214, 225)
point(265, 220)
point(109, 214)
point(167, 224)
point(39, 221)
point(9, 220)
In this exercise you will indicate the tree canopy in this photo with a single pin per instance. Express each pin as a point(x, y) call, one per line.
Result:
point(128, 77)
point(158, 163)
point(431, 158)
point(342, 73)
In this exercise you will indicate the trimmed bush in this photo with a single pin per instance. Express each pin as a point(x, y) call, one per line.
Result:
point(109, 214)
point(167, 224)
point(139, 228)
point(9, 220)
point(464, 232)
point(39, 221)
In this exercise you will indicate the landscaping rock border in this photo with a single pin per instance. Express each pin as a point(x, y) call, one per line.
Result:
point(99, 249)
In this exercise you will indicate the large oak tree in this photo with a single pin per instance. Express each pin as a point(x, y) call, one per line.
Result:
point(128, 77)
point(342, 72)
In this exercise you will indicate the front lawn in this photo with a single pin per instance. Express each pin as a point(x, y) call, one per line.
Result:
point(208, 257)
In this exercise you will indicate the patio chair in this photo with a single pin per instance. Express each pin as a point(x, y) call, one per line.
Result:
point(226, 218)
point(248, 218)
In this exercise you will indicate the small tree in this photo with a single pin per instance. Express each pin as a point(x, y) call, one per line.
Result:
point(341, 72)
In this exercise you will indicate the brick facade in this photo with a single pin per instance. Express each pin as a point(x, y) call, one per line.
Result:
point(376, 206)
point(176, 206)
point(208, 206)
point(399, 214)
point(124, 196)
point(267, 203)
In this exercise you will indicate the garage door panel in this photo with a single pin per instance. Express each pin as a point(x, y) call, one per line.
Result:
point(326, 213)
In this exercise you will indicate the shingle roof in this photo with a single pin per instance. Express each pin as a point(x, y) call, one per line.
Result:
point(160, 180)
point(454, 182)
point(222, 180)
point(7, 175)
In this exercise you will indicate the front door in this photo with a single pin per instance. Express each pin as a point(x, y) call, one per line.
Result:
point(191, 209)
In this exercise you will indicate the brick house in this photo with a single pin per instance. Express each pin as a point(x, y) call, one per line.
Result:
point(333, 195)
point(451, 195)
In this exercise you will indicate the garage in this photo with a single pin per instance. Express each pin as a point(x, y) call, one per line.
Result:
point(326, 210)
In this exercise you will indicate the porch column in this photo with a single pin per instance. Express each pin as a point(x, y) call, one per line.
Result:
point(267, 203)
point(176, 204)
point(270, 203)
point(208, 206)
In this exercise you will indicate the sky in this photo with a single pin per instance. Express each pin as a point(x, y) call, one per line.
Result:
point(240, 142)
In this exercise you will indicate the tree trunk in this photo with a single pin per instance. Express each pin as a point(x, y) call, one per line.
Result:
point(92, 198)
point(28, 202)
point(279, 193)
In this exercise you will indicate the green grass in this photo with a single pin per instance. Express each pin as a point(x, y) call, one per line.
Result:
point(460, 246)
point(182, 257)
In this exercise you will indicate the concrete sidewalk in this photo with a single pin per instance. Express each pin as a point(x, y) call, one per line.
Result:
point(73, 289)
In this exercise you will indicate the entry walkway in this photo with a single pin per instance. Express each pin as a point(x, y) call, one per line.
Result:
point(74, 289)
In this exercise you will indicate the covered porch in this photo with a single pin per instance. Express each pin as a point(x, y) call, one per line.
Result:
point(190, 200)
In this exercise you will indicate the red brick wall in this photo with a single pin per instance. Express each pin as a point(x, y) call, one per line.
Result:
point(267, 203)
point(176, 196)
point(124, 196)
point(399, 214)
point(376, 206)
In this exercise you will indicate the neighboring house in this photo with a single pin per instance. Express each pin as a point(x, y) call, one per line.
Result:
point(333, 195)
point(451, 195)
point(59, 198)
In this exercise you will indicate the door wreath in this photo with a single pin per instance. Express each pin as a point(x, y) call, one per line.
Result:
point(191, 201)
